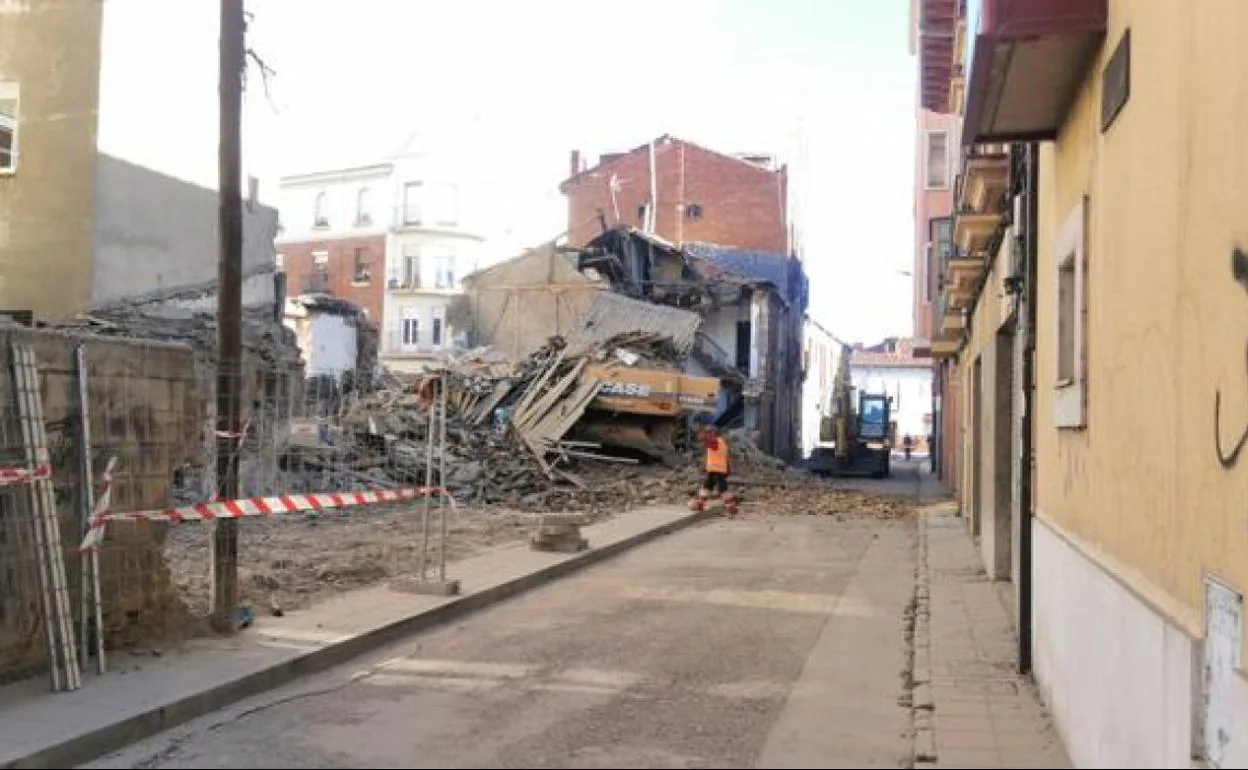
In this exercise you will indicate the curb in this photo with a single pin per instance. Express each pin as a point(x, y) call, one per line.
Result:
point(87, 747)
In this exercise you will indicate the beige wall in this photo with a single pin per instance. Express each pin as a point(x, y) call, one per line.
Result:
point(146, 404)
point(1141, 489)
point(517, 305)
point(981, 464)
point(47, 208)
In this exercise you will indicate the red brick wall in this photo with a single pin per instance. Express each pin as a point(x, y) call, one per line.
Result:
point(742, 204)
point(340, 270)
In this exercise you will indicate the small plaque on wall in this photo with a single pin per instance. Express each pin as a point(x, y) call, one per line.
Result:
point(1116, 82)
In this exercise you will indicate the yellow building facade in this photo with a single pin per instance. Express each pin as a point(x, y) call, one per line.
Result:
point(1124, 405)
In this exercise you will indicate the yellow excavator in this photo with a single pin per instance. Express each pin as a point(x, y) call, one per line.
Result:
point(642, 408)
point(856, 439)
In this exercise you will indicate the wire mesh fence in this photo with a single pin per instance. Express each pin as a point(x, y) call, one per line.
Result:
point(131, 429)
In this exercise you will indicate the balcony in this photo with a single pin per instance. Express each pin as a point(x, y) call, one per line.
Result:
point(394, 346)
point(973, 232)
point(948, 324)
point(962, 279)
point(938, 21)
point(396, 285)
point(1027, 59)
point(985, 179)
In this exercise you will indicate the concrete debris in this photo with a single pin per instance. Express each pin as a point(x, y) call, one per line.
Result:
point(263, 337)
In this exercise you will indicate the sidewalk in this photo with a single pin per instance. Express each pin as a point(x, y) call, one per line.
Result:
point(971, 708)
point(39, 728)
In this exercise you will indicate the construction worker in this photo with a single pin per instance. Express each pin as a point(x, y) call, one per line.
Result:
point(718, 467)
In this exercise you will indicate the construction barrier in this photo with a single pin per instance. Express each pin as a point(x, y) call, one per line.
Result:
point(9, 476)
point(258, 506)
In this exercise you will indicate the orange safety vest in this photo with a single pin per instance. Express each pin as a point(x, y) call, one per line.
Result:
point(717, 458)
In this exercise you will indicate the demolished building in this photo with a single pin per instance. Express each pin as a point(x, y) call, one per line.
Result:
point(747, 309)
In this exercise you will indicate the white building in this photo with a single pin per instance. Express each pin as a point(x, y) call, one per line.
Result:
point(892, 368)
point(435, 240)
point(821, 354)
point(395, 237)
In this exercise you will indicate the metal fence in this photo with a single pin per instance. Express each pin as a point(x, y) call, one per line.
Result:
point(130, 437)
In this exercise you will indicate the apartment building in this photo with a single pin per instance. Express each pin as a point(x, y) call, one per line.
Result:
point(1099, 253)
point(102, 195)
point(937, 155)
point(333, 238)
point(682, 192)
point(395, 237)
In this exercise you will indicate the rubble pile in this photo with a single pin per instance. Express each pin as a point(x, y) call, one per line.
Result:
point(269, 341)
point(504, 435)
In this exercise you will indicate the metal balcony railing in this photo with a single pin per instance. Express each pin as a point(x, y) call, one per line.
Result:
point(395, 343)
point(420, 216)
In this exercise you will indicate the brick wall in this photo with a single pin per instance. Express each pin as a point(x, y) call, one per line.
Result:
point(741, 204)
point(339, 274)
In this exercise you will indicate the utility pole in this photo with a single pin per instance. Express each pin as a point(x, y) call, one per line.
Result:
point(229, 309)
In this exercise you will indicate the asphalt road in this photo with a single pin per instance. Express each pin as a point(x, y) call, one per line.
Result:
point(763, 641)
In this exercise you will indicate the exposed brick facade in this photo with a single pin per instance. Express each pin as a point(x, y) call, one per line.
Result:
point(739, 203)
point(339, 273)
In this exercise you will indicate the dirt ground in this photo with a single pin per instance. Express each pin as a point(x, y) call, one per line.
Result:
point(290, 562)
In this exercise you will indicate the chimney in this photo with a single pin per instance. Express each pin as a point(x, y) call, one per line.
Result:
point(574, 163)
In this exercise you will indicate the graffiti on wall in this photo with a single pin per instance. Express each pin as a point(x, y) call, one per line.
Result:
point(1239, 269)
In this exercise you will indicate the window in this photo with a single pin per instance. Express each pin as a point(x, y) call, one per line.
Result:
point(320, 210)
point(320, 259)
point(438, 322)
point(937, 160)
point(693, 211)
point(412, 203)
point(279, 262)
point(409, 270)
point(363, 272)
point(444, 268)
point(409, 327)
point(443, 202)
point(1070, 364)
point(363, 209)
point(8, 127)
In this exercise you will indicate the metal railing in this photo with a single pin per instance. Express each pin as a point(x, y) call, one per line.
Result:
point(395, 343)
point(419, 216)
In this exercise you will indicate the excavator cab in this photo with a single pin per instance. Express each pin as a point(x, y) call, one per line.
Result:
point(861, 438)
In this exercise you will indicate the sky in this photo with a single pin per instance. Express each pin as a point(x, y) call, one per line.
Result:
point(828, 85)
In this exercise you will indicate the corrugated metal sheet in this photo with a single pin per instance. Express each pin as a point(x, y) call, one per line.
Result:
point(611, 314)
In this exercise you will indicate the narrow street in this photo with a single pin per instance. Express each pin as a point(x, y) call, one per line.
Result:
point(765, 641)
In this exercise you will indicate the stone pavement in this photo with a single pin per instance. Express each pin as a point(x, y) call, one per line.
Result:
point(141, 697)
point(970, 707)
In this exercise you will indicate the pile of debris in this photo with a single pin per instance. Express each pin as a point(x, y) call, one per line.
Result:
point(510, 437)
point(819, 499)
point(264, 338)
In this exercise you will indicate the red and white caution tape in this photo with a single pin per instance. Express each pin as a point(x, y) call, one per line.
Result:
point(104, 490)
point(10, 476)
point(257, 506)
